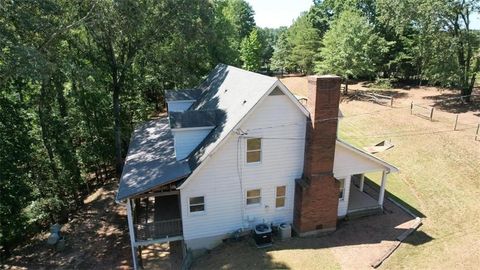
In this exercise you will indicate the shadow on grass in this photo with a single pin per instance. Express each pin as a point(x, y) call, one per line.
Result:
point(357, 95)
point(452, 103)
point(388, 194)
point(418, 238)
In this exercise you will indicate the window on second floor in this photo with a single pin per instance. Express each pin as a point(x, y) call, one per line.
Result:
point(254, 150)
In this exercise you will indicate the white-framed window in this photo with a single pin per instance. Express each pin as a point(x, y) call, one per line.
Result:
point(197, 204)
point(254, 150)
point(254, 196)
point(280, 196)
point(341, 194)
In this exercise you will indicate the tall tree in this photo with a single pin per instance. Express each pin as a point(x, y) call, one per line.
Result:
point(304, 40)
point(351, 48)
point(121, 30)
point(280, 58)
point(240, 14)
point(234, 22)
point(268, 37)
point(251, 52)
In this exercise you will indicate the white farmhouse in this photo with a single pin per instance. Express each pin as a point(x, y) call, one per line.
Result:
point(239, 150)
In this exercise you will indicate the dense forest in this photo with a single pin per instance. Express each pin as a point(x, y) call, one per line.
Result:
point(77, 76)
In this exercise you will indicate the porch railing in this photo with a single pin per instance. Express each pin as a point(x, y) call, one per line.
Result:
point(159, 229)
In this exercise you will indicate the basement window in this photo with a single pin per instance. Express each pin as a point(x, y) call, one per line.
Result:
point(254, 196)
point(254, 150)
point(197, 204)
point(280, 197)
point(341, 194)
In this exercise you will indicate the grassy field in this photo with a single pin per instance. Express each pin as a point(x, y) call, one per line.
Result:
point(288, 255)
point(440, 170)
point(439, 178)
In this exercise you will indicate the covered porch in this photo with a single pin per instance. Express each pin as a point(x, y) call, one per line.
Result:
point(154, 219)
point(362, 203)
point(351, 165)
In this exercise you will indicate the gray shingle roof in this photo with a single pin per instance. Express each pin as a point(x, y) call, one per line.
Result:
point(150, 160)
point(234, 91)
point(183, 94)
point(226, 96)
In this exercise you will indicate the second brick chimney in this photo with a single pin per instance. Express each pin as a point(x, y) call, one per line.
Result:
point(316, 193)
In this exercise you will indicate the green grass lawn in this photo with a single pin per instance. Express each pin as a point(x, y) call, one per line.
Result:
point(294, 254)
point(439, 177)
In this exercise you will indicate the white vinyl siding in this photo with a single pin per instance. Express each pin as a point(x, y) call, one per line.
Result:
point(348, 162)
point(343, 203)
point(185, 140)
point(180, 105)
point(282, 163)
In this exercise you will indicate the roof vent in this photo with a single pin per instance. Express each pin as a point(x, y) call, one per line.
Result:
point(225, 90)
point(276, 92)
point(244, 102)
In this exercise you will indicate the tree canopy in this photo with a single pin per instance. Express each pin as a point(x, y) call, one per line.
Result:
point(351, 48)
point(75, 80)
point(429, 41)
point(251, 51)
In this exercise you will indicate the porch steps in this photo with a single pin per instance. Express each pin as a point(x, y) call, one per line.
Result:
point(364, 212)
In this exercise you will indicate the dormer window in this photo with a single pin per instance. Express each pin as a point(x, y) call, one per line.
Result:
point(254, 150)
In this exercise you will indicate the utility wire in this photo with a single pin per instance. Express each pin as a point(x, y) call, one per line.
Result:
point(360, 114)
point(392, 134)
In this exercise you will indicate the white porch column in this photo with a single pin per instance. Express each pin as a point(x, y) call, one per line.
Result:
point(362, 182)
point(131, 230)
point(381, 194)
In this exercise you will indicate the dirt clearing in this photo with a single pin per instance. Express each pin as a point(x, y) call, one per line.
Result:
point(96, 238)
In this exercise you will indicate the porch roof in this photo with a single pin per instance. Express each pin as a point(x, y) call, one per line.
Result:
point(350, 160)
point(151, 160)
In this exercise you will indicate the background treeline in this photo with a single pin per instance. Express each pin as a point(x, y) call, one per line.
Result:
point(77, 76)
point(429, 41)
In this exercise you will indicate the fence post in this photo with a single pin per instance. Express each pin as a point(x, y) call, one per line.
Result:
point(431, 115)
point(411, 107)
point(456, 121)
point(476, 134)
point(391, 102)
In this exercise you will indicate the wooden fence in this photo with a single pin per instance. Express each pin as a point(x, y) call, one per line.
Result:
point(377, 98)
point(422, 111)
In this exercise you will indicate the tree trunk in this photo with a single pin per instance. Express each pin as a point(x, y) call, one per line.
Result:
point(44, 131)
point(467, 91)
point(346, 86)
point(118, 141)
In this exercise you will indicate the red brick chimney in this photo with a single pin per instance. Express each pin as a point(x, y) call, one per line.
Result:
point(316, 193)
